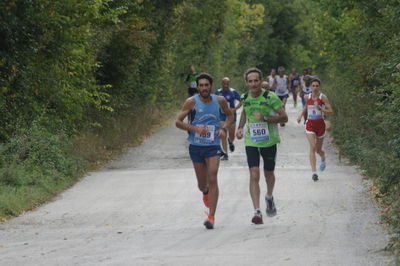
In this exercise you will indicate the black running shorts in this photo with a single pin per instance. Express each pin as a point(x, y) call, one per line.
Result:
point(268, 154)
point(283, 96)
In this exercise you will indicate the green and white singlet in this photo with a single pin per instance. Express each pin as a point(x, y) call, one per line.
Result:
point(258, 133)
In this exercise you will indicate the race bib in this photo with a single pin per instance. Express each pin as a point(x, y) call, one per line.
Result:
point(259, 132)
point(296, 82)
point(313, 112)
point(193, 84)
point(207, 138)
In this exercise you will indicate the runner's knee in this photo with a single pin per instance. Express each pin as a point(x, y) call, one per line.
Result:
point(313, 148)
point(254, 174)
point(212, 183)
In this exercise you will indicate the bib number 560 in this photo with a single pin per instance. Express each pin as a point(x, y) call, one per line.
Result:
point(259, 132)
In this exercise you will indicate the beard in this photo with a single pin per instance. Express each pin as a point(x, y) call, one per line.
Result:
point(205, 93)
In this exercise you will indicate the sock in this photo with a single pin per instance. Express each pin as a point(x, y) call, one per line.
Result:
point(323, 158)
point(257, 210)
point(205, 192)
point(314, 173)
point(268, 197)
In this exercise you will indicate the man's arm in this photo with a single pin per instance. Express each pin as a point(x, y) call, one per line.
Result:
point(229, 115)
point(281, 116)
point(237, 97)
point(288, 83)
point(274, 83)
point(242, 122)
point(187, 80)
point(187, 107)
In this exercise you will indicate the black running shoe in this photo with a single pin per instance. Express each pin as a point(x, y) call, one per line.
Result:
point(231, 146)
point(315, 177)
point(209, 223)
point(271, 210)
point(257, 218)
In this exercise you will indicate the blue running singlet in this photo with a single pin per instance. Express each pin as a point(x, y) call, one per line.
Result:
point(205, 114)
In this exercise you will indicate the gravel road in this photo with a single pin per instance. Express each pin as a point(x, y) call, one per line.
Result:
point(144, 209)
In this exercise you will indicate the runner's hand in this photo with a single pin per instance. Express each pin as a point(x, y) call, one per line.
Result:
point(201, 130)
point(299, 119)
point(239, 133)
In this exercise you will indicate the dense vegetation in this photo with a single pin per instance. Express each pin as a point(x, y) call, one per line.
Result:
point(75, 75)
point(360, 48)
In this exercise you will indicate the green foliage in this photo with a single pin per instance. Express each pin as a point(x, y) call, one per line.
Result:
point(88, 66)
point(360, 42)
point(34, 165)
point(47, 61)
point(32, 152)
point(75, 66)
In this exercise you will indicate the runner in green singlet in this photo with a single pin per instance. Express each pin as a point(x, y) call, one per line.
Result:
point(262, 111)
point(191, 81)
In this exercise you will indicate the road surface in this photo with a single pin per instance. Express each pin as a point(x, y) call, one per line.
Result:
point(144, 209)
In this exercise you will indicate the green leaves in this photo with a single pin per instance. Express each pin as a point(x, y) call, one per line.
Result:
point(361, 42)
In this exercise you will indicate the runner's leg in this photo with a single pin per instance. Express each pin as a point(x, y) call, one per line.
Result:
point(284, 102)
point(313, 148)
point(201, 175)
point(270, 180)
point(269, 155)
point(319, 143)
point(232, 130)
point(224, 142)
point(254, 186)
point(253, 161)
point(295, 91)
point(213, 191)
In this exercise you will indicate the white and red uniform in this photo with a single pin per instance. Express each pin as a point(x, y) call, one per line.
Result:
point(315, 123)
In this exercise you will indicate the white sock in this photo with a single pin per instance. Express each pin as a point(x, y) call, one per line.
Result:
point(268, 197)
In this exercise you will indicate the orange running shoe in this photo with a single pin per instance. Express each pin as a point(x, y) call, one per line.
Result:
point(209, 223)
point(205, 200)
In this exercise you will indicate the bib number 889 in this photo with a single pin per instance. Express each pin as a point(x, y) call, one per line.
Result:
point(206, 135)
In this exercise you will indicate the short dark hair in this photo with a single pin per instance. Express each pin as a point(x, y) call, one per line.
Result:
point(204, 76)
point(252, 70)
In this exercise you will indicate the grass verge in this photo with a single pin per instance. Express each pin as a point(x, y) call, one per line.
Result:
point(36, 165)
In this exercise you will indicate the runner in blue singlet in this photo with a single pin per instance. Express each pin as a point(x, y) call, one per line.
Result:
point(205, 132)
point(232, 96)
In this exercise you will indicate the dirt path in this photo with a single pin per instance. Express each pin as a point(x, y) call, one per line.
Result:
point(145, 209)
